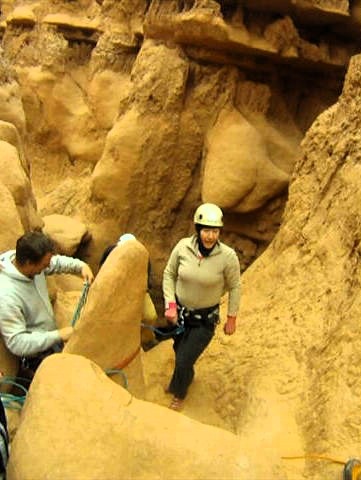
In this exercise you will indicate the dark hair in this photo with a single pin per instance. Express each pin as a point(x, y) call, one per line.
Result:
point(200, 227)
point(32, 247)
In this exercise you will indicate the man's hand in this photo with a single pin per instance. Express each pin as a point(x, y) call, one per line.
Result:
point(230, 325)
point(65, 333)
point(87, 274)
point(171, 313)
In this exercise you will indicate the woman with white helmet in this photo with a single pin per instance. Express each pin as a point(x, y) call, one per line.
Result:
point(199, 271)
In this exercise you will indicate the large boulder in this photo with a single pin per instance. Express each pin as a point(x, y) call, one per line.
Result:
point(13, 175)
point(108, 331)
point(68, 233)
point(11, 223)
point(239, 173)
point(99, 431)
point(11, 107)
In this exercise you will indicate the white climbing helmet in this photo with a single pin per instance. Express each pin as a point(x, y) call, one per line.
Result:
point(209, 215)
point(125, 237)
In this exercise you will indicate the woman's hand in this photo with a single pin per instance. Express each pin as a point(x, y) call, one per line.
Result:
point(171, 313)
point(230, 325)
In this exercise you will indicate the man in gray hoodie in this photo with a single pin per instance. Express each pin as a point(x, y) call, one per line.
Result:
point(27, 322)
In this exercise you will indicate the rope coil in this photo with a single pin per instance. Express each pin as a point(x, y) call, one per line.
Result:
point(11, 400)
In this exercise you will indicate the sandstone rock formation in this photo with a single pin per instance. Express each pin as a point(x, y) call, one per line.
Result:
point(119, 104)
point(295, 356)
point(98, 445)
point(108, 331)
point(119, 114)
point(68, 233)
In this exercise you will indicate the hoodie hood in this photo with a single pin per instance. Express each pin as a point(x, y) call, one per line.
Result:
point(8, 268)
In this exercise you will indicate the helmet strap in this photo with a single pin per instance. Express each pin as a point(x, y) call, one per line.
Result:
point(205, 252)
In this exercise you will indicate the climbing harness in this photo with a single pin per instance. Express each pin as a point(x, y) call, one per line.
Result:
point(208, 317)
point(163, 333)
point(81, 303)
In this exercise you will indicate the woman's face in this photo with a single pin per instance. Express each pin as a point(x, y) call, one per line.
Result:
point(209, 236)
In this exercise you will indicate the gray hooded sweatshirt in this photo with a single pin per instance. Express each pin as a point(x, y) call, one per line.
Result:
point(27, 321)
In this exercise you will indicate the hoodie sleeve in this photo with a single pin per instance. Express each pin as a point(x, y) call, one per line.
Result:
point(233, 282)
point(20, 341)
point(64, 264)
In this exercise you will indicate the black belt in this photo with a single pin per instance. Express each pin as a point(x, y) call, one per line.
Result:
point(196, 317)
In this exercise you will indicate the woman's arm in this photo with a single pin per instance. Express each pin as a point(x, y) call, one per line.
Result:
point(169, 285)
point(233, 285)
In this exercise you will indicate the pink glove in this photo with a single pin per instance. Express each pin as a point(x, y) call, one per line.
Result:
point(230, 325)
point(171, 312)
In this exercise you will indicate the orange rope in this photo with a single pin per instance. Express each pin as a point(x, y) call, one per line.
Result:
point(127, 360)
point(316, 457)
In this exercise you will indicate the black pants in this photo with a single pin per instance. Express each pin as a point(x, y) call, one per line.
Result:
point(4, 442)
point(188, 346)
point(29, 365)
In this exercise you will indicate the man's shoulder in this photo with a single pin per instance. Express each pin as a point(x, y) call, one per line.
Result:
point(8, 289)
point(6, 281)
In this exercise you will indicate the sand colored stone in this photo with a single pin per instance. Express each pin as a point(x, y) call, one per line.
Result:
point(68, 233)
point(238, 172)
point(126, 437)
point(117, 130)
point(13, 176)
point(108, 330)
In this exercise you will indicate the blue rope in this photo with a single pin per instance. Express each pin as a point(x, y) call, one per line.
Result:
point(81, 303)
point(115, 371)
point(10, 400)
point(178, 328)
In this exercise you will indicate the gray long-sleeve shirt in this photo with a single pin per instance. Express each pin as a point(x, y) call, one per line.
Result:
point(200, 282)
point(27, 321)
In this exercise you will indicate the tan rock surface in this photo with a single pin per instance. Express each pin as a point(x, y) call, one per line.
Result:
point(160, 99)
point(68, 233)
point(12, 110)
point(113, 313)
point(13, 176)
point(113, 124)
point(10, 134)
point(11, 223)
point(239, 173)
point(65, 306)
point(23, 15)
point(288, 379)
point(137, 438)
